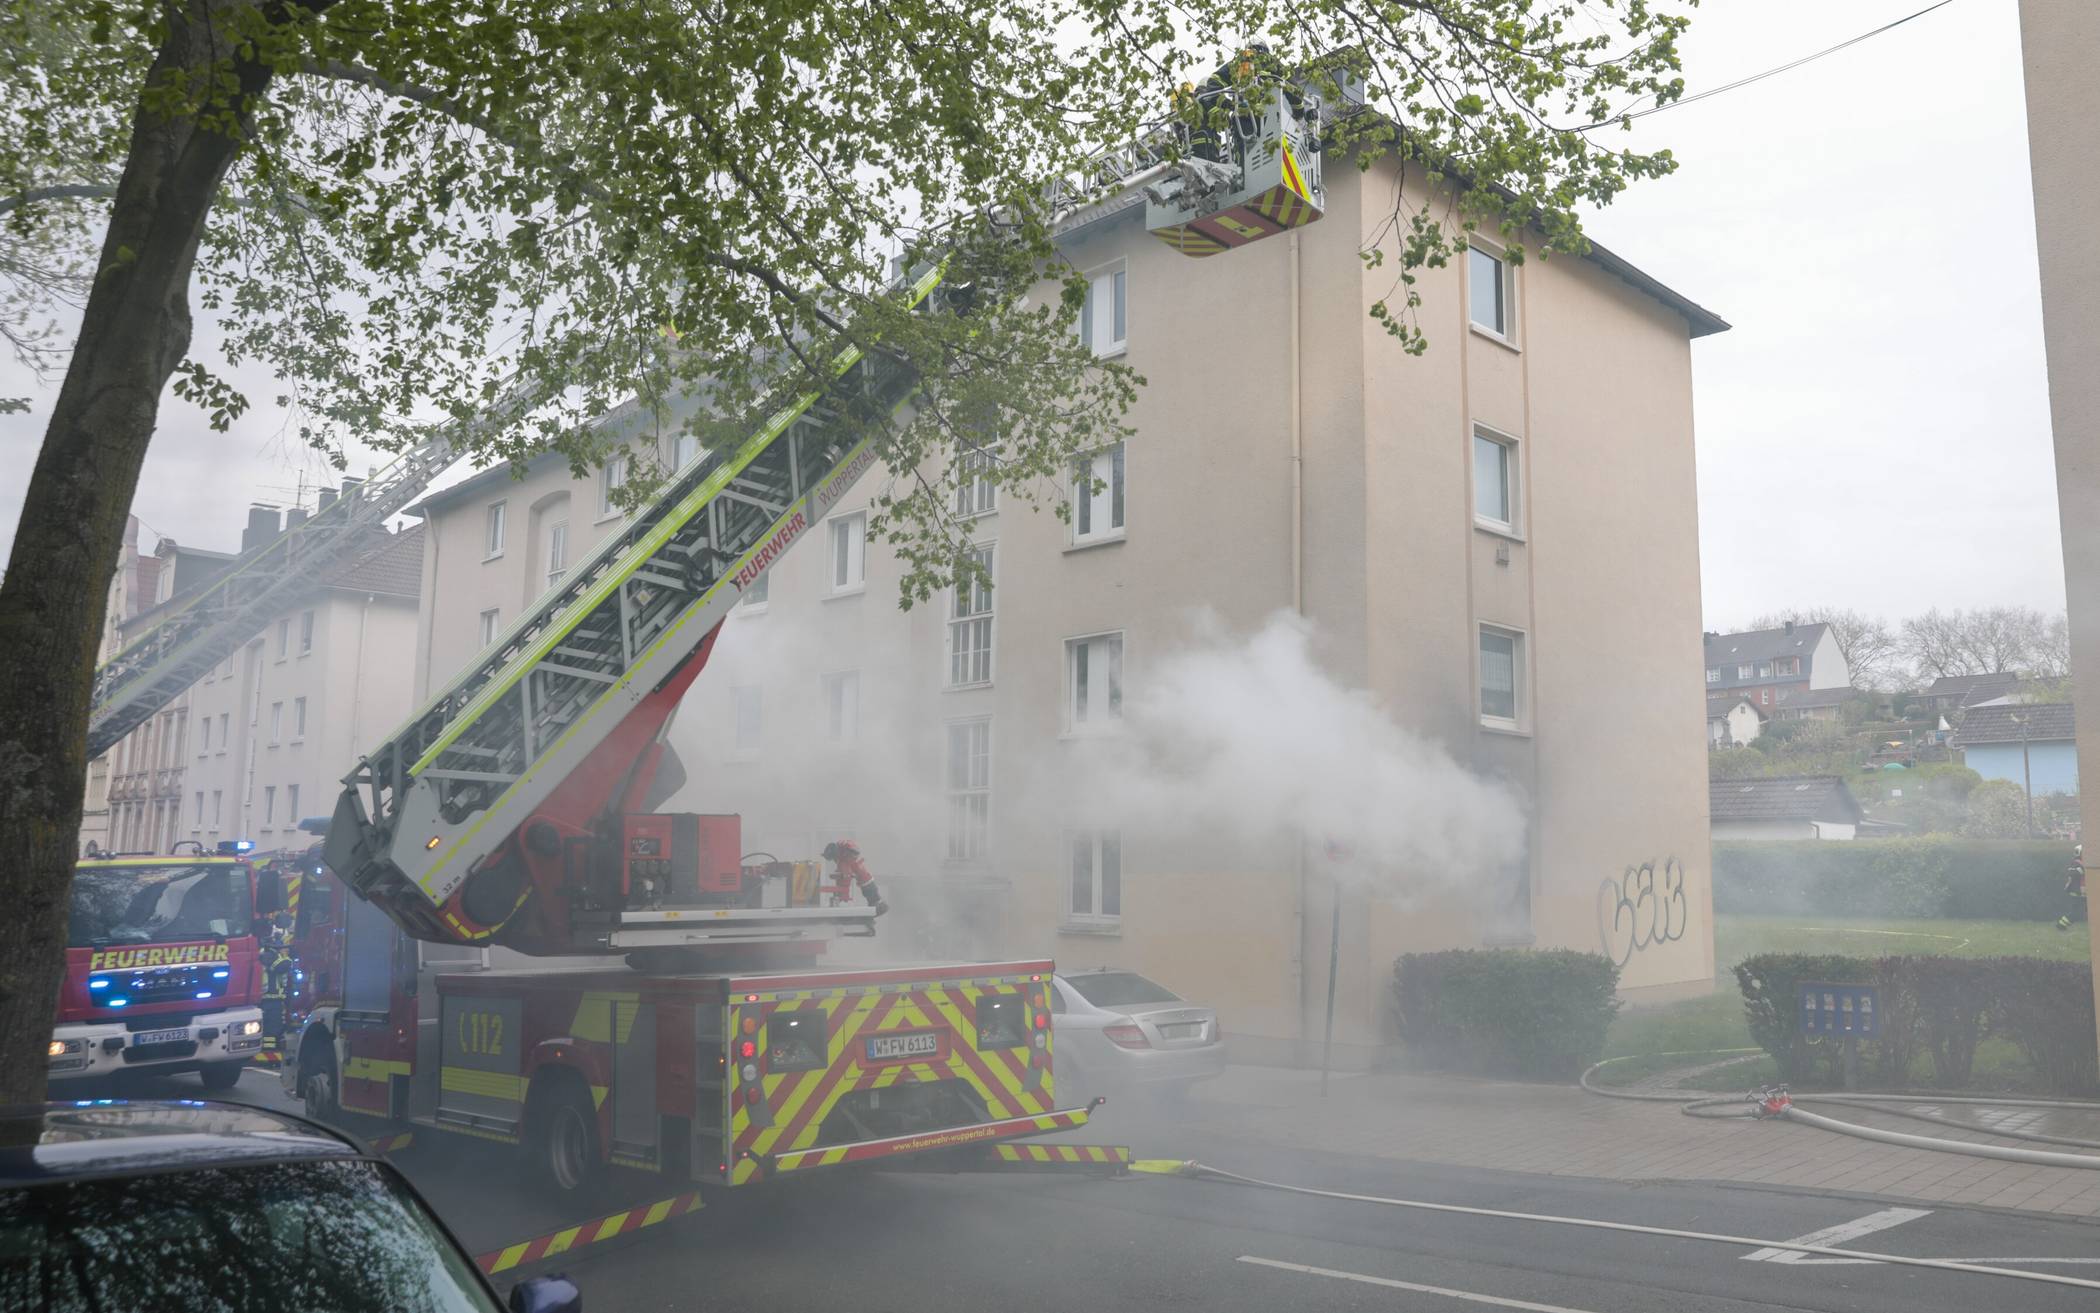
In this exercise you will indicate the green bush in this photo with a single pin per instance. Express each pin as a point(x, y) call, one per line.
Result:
point(1539, 1014)
point(1940, 1007)
point(1923, 877)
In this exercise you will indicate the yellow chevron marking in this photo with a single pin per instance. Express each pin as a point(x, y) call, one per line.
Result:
point(841, 1042)
point(510, 1257)
point(598, 1093)
point(373, 1069)
point(658, 1211)
point(488, 1084)
point(595, 1015)
point(561, 1241)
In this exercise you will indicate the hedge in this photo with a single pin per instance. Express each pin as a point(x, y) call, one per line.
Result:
point(1937, 1007)
point(1536, 1013)
point(1923, 877)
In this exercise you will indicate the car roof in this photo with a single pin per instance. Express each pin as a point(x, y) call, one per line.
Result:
point(121, 1137)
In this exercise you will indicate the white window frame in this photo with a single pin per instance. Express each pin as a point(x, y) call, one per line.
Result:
point(1520, 660)
point(976, 492)
point(968, 791)
point(1713, 674)
point(1094, 846)
point(200, 813)
point(493, 528)
point(841, 689)
point(1513, 480)
point(842, 531)
point(306, 633)
point(1094, 507)
point(753, 695)
point(269, 805)
point(1097, 315)
point(1081, 647)
point(218, 807)
point(225, 731)
point(612, 476)
point(1506, 334)
point(299, 720)
point(276, 723)
point(757, 595)
point(203, 744)
point(291, 806)
point(557, 550)
point(284, 638)
point(491, 625)
point(980, 623)
point(685, 449)
point(1745, 672)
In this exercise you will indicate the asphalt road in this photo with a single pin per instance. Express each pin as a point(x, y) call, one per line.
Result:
point(1153, 1244)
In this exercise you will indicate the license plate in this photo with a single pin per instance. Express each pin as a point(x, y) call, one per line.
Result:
point(1182, 1030)
point(919, 1044)
point(161, 1036)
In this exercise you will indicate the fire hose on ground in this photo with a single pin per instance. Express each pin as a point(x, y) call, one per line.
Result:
point(1777, 1102)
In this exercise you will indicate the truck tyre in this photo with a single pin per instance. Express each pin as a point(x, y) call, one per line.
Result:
point(221, 1075)
point(317, 1080)
point(564, 1138)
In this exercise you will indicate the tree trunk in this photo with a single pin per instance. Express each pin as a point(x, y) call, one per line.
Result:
point(134, 333)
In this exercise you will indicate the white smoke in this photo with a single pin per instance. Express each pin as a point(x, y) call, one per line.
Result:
point(1248, 740)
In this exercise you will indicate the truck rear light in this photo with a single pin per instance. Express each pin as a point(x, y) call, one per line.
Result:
point(1042, 1041)
point(1042, 1021)
point(1127, 1036)
point(747, 1049)
point(749, 1071)
point(751, 1095)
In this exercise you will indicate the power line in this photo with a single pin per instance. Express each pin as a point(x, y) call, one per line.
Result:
point(1770, 72)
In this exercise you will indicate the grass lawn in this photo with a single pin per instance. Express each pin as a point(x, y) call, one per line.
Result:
point(1714, 1022)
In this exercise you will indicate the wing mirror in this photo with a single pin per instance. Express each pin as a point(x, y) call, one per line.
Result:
point(549, 1294)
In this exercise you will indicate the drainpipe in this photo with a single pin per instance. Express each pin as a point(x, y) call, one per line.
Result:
point(1297, 424)
point(357, 673)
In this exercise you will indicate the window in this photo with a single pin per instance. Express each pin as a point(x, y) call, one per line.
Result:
point(200, 809)
point(269, 804)
point(203, 737)
point(225, 731)
point(610, 479)
point(1713, 674)
point(1782, 694)
point(1097, 497)
point(306, 632)
point(1764, 697)
point(842, 705)
point(849, 552)
point(1742, 672)
point(970, 627)
point(298, 719)
point(1093, 683)
point(750, 709)
point(685, 449)
point(217, 797)
point(1501, 677)
point(756, 592)
point(969, 789)
point(1490, 292)
point(276, 723)
point(284, 639)
point(291, 804)
point(1494, 481)
point(975, 492)
point(1101, 319)
point(491, 622)
point(557, 550)
point(1764, 670)
point(1096, 892)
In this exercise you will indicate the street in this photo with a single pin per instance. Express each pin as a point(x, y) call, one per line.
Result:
point(1155, 1242)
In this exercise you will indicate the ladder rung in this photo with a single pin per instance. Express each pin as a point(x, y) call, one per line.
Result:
point(577, 671)
point(479, 776)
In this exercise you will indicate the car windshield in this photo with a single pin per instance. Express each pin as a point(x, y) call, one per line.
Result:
point(158, 903)
point(316, 1237)
point(1115, 989)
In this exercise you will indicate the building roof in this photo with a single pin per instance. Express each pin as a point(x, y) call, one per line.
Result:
point(481, 481)
point(1782, 798)
point(1727, 651)
point(1722, 704)
point(1970, 689)
point(392, 564)
point(2004, 723)
point(1821, 697)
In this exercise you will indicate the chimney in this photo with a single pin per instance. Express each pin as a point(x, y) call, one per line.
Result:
point(263, 525)
point(350, 486)
point(327, 499)
point(1790, 626)
point(295, 517)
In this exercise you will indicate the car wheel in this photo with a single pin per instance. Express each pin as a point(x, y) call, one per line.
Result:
point(566, 1145)
point(221, 1075)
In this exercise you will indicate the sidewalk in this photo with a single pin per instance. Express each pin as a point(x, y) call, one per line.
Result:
point(1563, 1131)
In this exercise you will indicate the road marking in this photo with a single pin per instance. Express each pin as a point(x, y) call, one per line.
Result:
point(1833, 1236)
point(1468, 1296)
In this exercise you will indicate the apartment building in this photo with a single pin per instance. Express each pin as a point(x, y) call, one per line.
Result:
point(1777, 670)
point(274, 728)
point(1497, 541)
point(141, 780)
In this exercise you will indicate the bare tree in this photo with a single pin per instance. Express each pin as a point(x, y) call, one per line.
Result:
point(1987, 640)
point(1870, 647)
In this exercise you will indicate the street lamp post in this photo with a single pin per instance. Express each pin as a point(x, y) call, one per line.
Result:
point(2026, 772)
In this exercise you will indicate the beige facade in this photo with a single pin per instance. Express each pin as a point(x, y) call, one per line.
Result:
point(2059, 42)
point(275, 727)
point(942, 739)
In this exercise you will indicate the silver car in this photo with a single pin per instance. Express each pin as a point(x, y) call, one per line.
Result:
point(1116, 1032)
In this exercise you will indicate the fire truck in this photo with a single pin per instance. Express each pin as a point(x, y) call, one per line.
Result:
point(675, 1015)
point(161, 968)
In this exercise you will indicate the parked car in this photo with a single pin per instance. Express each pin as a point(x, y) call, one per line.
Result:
point(108, 1205)
point(1118, 1032)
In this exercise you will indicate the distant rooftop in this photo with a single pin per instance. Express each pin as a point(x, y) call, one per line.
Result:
point(2010, 722)
point(1783, 798)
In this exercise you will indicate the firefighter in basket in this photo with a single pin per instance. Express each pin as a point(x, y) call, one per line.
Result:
point(851, 870)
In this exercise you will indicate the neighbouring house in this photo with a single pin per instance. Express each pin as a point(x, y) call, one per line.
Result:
point(1732, 720)
point(1951, 693)
point(2033, 744)
point(1815, 704)
point(278, 723)
point(1773, 667)
point(1783, 807)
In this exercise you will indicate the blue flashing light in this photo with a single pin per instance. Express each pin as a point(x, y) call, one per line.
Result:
point(298, 974)
point(120, 1002)
point(98, 983)
point(203, 993)
point(220, 974)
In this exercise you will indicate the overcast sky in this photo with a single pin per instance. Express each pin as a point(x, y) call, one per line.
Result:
point(1874, 431)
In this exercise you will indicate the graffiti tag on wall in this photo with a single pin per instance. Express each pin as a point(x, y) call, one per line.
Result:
point(1642, 908)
